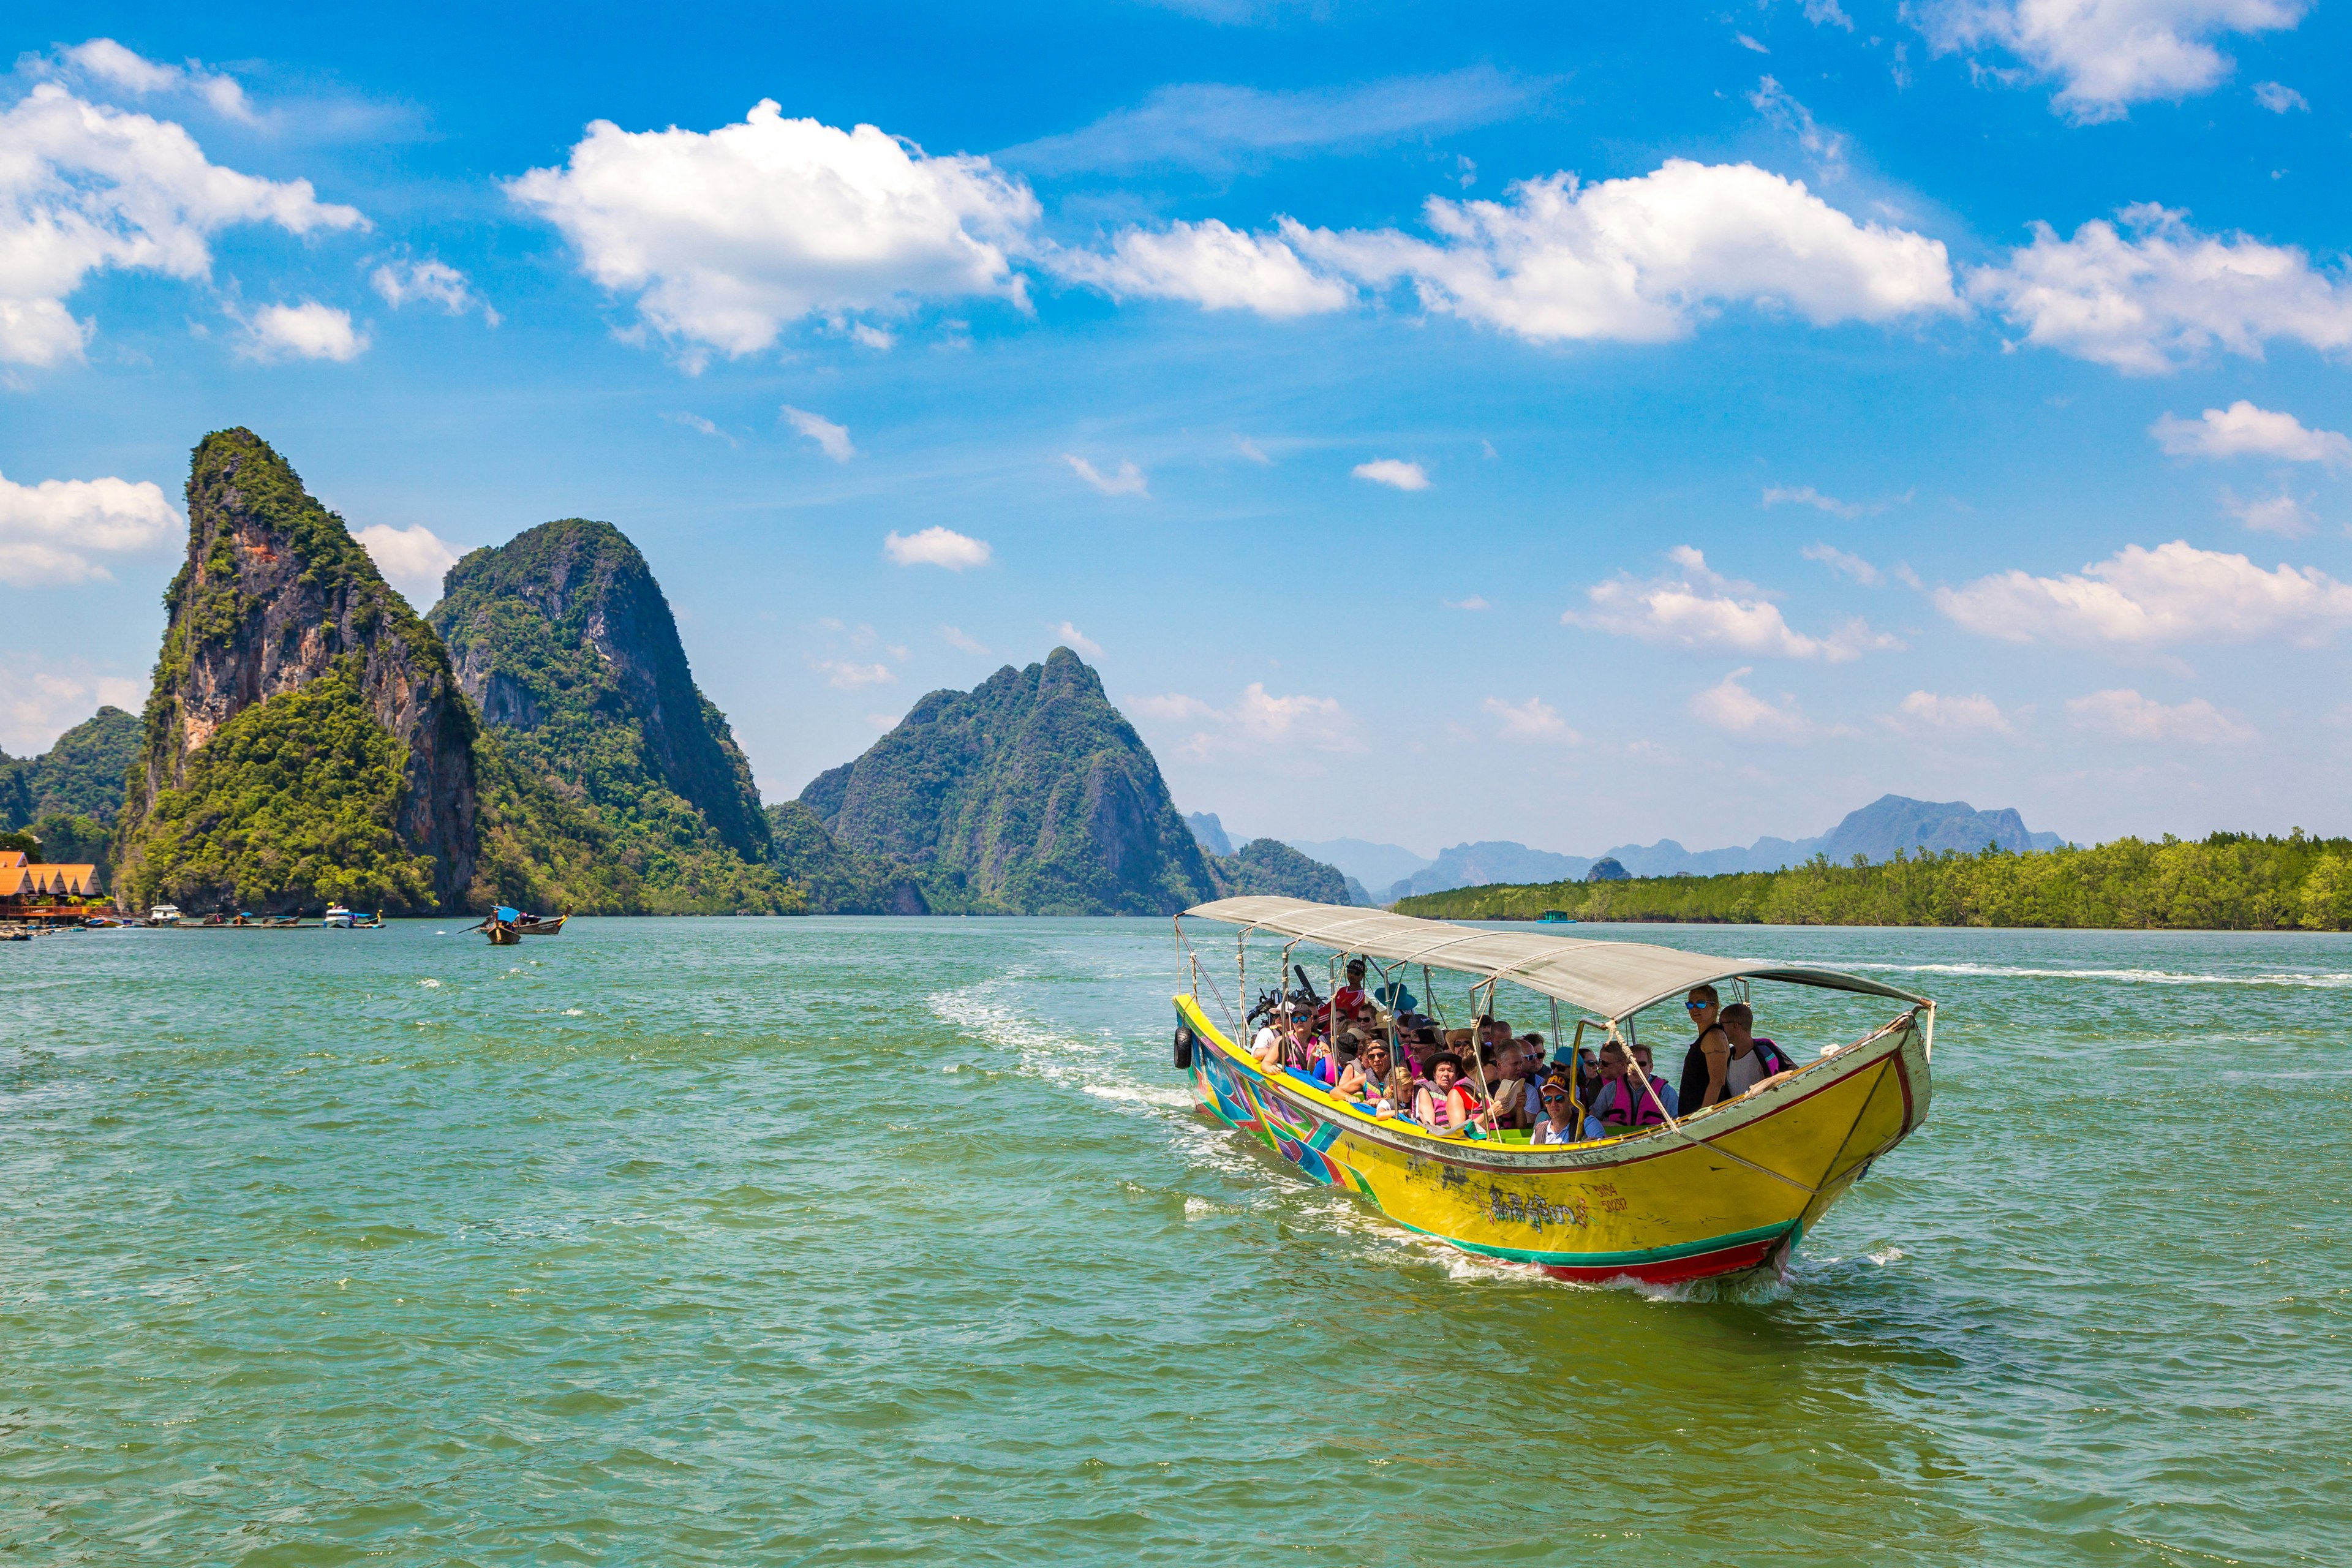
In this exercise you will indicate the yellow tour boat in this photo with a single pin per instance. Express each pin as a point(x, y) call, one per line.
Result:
point(1729, 1189)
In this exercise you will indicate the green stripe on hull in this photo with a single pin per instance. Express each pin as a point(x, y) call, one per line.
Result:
point(1646, 1256)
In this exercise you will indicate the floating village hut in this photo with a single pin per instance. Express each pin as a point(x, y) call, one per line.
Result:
point(41, 893)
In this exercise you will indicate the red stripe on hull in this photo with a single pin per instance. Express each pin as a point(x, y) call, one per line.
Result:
point(1675, 1270)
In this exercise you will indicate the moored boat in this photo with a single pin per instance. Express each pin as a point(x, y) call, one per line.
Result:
point(1729, 1190)
point(337, 918)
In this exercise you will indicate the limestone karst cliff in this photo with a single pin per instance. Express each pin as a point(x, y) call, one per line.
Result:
point(305, 739)
point(1028, 794)
point(566, 642)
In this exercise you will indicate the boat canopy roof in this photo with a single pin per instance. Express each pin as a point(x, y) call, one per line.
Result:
point(1613, 979)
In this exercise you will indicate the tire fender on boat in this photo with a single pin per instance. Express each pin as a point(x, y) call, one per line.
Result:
point(1183, 1048)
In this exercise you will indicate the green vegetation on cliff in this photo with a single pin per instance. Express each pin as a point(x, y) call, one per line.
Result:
point(80, 775)
point(1269, 867)
point(306, 739)
point(2227, 882)
point(67, 797)
point(567, 644)
point(292, 799)
point(1029, 794)
point(831, 879)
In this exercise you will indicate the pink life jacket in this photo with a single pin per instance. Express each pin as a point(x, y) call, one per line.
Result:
point(1635, 1106)
point(1453, 1108)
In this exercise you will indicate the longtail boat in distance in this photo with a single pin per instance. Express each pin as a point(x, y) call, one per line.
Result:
point(1726, 1191)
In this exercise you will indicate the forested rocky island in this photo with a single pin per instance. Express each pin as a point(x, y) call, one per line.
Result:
point(538, 739)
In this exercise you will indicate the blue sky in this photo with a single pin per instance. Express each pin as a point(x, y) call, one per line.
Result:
point(1435, 422)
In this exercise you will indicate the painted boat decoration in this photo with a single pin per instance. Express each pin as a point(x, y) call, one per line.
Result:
point(1727, 1191)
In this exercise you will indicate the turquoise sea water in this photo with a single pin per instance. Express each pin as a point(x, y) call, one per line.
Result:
point(737, 1242)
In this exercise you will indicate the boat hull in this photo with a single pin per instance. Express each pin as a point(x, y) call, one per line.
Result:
point(1732, 1192)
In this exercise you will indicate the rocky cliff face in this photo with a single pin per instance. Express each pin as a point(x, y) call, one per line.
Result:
point(275, 597)
point(567, 646)
point(1029, 794)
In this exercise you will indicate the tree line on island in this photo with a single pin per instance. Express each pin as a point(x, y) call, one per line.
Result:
point(537, 739)
point(2229, 881)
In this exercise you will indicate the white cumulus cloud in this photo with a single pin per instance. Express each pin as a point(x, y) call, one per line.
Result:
point(2279, 97)
point(1128, 481)
point(1642, 259)
point(1077, 641)
point(2129, 716)
point(429, 282)
point(2282, 514)
point(1394, 473)
point(726, 237)
point(1211, 264)
point(1262, 726)
point(2141, 598)
point(962, 641)
point(1534, 720)
point(412, 560)
point(1806, 495)
point(129, 71)
point(936, 546)
point(307, 331)
point(84, 187)
point(1844, 564)
point(2107, 55)
point(1730, 707)
point(50, 531)
point(2168, 294)
point(1933, 711)
point(831, 439)
point(2243, 430)
point(1699, 610)
point(848, 677)
point(41, 701)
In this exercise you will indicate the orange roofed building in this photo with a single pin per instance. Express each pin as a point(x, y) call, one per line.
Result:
point(31, 891)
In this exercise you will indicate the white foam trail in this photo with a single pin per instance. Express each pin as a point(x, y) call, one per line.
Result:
point(1174, 1099)
point(2302, 981)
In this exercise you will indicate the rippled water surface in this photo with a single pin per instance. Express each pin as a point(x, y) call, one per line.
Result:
point(738, 1241)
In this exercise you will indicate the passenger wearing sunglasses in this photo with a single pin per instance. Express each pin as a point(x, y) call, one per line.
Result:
point(1559, 1123)
point(1707, 1063)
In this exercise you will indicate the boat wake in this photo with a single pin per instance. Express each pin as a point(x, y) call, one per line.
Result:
point(2302, 981)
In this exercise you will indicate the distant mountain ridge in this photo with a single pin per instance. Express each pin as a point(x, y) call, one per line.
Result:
point(1209, 833)
point(1875, 831)
point(1373, 865)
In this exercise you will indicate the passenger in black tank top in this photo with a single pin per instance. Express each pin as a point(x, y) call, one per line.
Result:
point(1709, 1056)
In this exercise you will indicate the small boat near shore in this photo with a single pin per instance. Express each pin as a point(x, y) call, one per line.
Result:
point(507, 926)
point(1729, 1189)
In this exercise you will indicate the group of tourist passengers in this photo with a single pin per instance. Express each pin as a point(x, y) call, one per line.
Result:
point(1487, 1082)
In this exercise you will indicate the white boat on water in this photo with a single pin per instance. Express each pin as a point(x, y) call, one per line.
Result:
point(337, 917)
point(163, 915)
